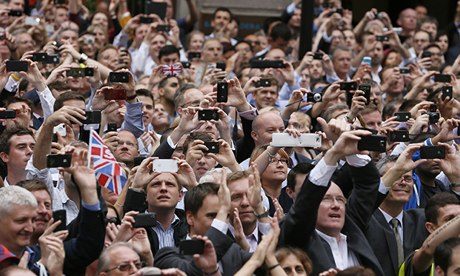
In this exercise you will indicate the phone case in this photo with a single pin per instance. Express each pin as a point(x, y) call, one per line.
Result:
point(62, 216)
point(306, 140)
point(222, 92)
point(165, 165)
point(144, 220)
point(373, 143)
point(58, 160)
point(432, 152)
point(191, 247)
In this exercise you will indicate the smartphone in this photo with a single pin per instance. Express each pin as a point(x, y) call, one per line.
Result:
point(8, 114)
point(62, 216)
point(442, 78)
point(402, 116)
point(367, 60)
point(318, 55)
point(15, 13)
point(76, 72)
point(221, 65)
point(446, 92)
point(88, 71)
point(382, 38)
point(156, 8)
point(347, 86)
point(112, 127)
point(373, 143)
point(433, 152)
point(163, 28)
point(58, 160)
point(222, 92)
point(185, 64)
point(40, 57)
point(32, 21)
point(306, 140)
point(191, 247)
point(165, 166)
point(366, 88)
point(314, 97)
point(119, 77)
point(117, 94)
point(426, 54)
point(92, 117)
point(208, 114)
point(135, 201)
point(404, 70)
point(266, 64)
point(146, 20)
point(399, 136)
point(17, 66)
point(144, 220)
point(213, 147)
point(52, 59)
point(193, 55)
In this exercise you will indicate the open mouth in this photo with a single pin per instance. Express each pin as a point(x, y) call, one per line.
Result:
point(335, 216)
point(163, 197)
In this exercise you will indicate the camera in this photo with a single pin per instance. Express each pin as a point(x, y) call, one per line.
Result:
point(433, 117)
point(314, 97)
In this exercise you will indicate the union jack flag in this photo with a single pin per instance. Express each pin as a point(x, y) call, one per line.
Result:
point(172, 69)
point(109, 172)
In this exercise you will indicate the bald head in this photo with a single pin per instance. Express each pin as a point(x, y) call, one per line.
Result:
point(264, 126)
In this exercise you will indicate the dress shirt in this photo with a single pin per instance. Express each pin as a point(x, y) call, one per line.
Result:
point(252, 239)
point(343, 257)
point(399, 217)
point(166, 236)
point(46, 101)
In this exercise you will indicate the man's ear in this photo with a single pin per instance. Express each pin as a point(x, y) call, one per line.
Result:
point(161, 91)
point(190, 218)
point(254, 135)
point(4, 157)
point(430, 227)
point(290, 192)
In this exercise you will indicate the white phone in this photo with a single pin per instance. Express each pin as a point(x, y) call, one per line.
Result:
point(60, 129)
point(306, 140)
point(32, 21)
point(165, 165)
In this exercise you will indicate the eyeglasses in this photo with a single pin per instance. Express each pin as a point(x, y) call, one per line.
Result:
point(127, 266)
point(276, 160)
point(330, 199)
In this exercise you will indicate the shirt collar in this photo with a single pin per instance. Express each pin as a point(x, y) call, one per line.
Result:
point(254, 235)
point(329, 239)
point(388, 218)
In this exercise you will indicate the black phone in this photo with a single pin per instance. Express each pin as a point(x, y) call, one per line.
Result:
point(186, 64)
point(349, 97)
point(263, 83)
point(144, 220)
point(146, 20)
point(39, 57)
point(366, 88)
point(17, 66)
point(76, 72)
point(15, 13)
point(191, 247)
point(52, 59)
point(347, 86)
point(221, 65)
point(373, 143)
point(382, 38)
point(156, 8)
point(193, 55)
point(262, 64)
point(442, 78)
point(318, 55)
point(404, 70)
point(117, 94)
point(222, 92)
point(135, 201)
point(119, 77)
point(138, 160)
point(208, 114)
point(213, 147)
point(163, 28)
point(58, 160)
point(426, 54)
point(62, 216)
point(8, 114)
point(446, 92)
point(92, 117)
point(112, 127)
point(433, 152)
point(399, 136)
point(402, 116)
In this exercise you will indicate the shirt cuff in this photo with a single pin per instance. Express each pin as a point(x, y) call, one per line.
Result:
point(220, 225)
point(428, 142)
point(358, 160)
point(249, 114)
point(91, 207)
point(170, 142)
point(11, 85)
point(382, 188)
point(321, 173)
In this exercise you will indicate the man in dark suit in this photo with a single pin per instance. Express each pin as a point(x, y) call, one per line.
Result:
point(319, 221)
point(392, 232)
point(206, 213)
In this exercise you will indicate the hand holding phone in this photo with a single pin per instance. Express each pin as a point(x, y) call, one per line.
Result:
point(208, 115)
point(144, 220)
point(191, 247)
point(58, 160)
point(17, 66)
point(165, 166)
point(373, 143)
point(433, 152)
point(60, 215)
point(222, 92)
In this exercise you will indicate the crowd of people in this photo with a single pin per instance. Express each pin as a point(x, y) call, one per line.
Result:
point(132, 143)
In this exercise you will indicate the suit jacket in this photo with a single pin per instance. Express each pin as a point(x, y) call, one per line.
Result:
point(245, 145)
point(298, 227)
point(383, 242)
point(231, 256)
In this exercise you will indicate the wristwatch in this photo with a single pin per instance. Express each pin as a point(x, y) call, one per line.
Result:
point(83, 58)
point(263, 215)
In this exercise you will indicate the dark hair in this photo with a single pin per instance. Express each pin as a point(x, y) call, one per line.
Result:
point(179, 95)
point(195, 136)
point(284, 252)
point(10, 132)
point(443, 253)
point(245, 42)
point(15, 99)
point(301, 168)
point(168, 50)
point(281, 30)
point(66, 96)
point(195, 196)
point(432, 45)
point(33, 185)
point(356, 271)
point(164, 81)
point(436, 202)
point(222, 9)
point(145, 93)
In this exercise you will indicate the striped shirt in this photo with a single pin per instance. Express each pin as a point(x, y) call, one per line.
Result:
point(166, 236)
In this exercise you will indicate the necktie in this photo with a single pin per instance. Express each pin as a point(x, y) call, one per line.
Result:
point(399, 244)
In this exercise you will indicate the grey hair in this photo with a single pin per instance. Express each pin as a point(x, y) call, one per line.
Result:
point(381, 164)
point(104, 259)
point(13, 196)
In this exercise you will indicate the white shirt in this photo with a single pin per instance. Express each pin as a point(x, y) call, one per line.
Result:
point(399, 217)
point(343, 257)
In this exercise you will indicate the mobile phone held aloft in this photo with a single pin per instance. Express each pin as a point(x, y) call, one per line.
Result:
point(222, 92)
point(165, 166)
point(373, 143)
point(92, 117)
point(60, 215)
point(58, 160)
point(208, 115)
point(17, 66)
point(117, 94)
point(144, 220)
point(433, 152)
point(262, 64)
point(306, 140)
point(122, 77)
point(8, 114)
point(191, 247)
